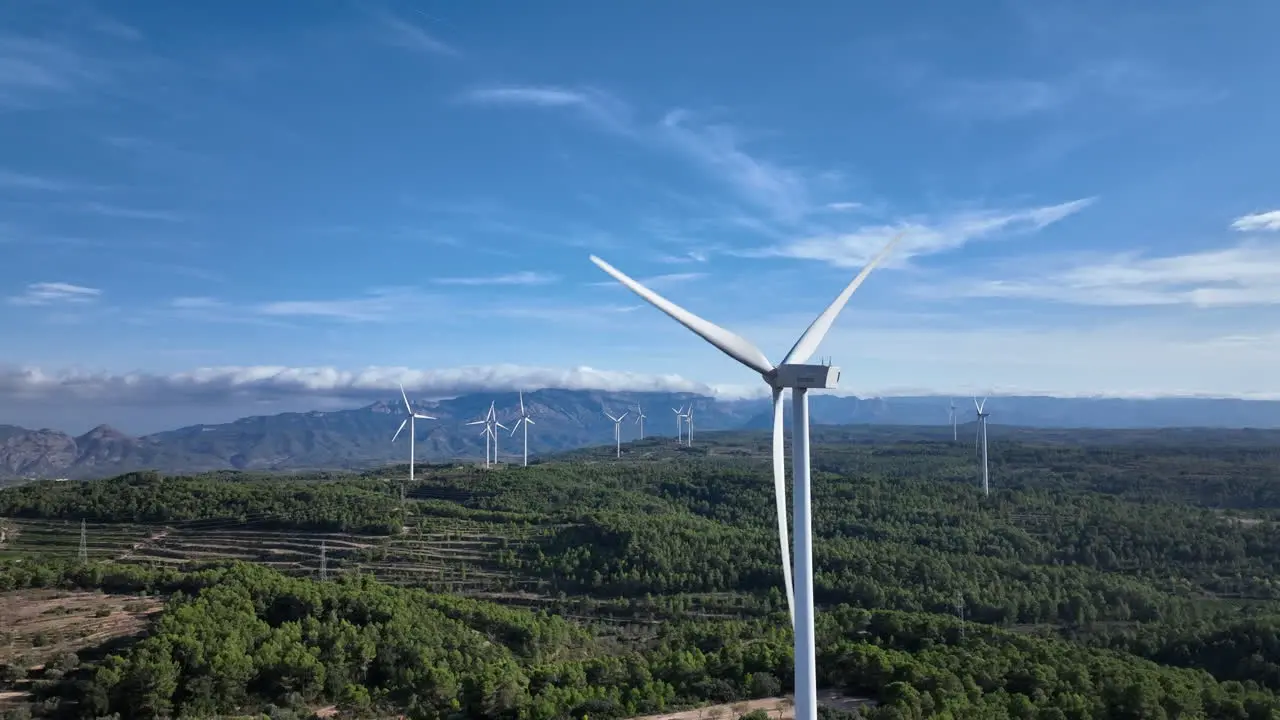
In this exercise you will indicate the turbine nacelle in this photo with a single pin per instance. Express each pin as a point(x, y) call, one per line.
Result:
point(809, 377)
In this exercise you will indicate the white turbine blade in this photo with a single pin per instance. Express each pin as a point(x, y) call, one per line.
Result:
point(976, 406)
point(406, 399)
point(478, 422)
point(735, 346)
point(982, 405)
point(516, 427)
point(423, 417)
point(812, 337)
point(504, 427)
point(527, 421)
point(402, 424)
point(484, 430)
point(522, 402)
point(623, 416)
point(611, 417)
point(780, 499)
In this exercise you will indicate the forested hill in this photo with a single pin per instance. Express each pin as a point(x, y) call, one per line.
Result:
point(566, 419)
point(1097, 581)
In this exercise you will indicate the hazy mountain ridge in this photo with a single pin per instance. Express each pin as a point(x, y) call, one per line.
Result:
point(564, 419)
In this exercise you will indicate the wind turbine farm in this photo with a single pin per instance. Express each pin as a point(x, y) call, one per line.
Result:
point(234, 242)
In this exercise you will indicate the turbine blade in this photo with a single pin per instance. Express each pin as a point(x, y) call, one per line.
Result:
point(516, 427)
point(406, 399)
point(812, 337)
point(504, 427)
point(527, 421)
point(522, 402)
point(622, 416)
point(478, 422)
point(423, 417)
point(976, 406)
point(780, 499)
point(735, 346)
point(982, 405)
point(402, 424)
point(611, 417)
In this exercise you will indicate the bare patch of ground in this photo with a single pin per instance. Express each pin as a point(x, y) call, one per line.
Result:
point(780, 708)
point(38, 625)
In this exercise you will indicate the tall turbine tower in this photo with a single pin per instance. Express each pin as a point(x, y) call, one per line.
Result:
point(524, 421)
point(800, 378)
point(679, 424)
point(955, 437)
point(640, 416)
point(688, 426)
point(982, 437)
point(412, 431)
point(617, 430)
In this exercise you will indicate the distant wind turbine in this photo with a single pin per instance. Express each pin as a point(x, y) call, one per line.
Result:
point(955, 437)
point(412, 434)
point(617, 430)
point(800, 377)
point(679, 424)
point(688, 426)
point(524, 421)
point(640, 416)
point(982, 437)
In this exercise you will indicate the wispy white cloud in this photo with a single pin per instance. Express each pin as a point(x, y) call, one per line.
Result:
point(920, 237)
point(717, 149)
point(267, 382)
point(56, 293)
point(695, 256)
point(843, 206)
point(1121, 83)
point(598, 106)
point(1247, 274)
point(32, 71)
point(1257, 221)
point(196, 303)
point(404, 34)
point(781, 191)
point(525, 277)
point(23, 181)
point(128, 213)
point(377, 306)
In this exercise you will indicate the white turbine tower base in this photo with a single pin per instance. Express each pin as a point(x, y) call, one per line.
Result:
point(800, 378)
point(412, 430)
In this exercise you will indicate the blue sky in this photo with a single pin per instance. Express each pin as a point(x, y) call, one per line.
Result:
point(297, 203)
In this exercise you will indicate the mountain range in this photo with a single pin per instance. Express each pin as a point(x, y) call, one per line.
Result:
point(564, 420)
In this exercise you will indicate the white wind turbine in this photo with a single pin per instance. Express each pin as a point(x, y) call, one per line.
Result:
point(412, 434)
point(640, 416)
point(800, 378)
point(688, 426)
point(679, 424)
point(490, 421)
point(951, 415)
point(524, 421)
point(982, 437)
point(617, 430)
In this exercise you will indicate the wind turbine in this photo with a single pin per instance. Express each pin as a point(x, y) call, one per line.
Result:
point(679, 424)
point(412, 434)
point(617, 430)
point(640, 416)
point(982, 437)
point(688, 426)
point(951, 415)
point(524, 421)
point(800, 378)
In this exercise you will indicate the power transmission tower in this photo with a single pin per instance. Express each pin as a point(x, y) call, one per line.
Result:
point(324, 563)
point(84, 545)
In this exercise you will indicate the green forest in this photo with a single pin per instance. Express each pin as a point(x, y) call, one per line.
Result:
point(1116, 581)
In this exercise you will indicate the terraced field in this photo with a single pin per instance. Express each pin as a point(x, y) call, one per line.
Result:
point(445, 554)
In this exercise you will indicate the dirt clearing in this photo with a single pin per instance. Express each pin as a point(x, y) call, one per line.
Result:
point(38, 625)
